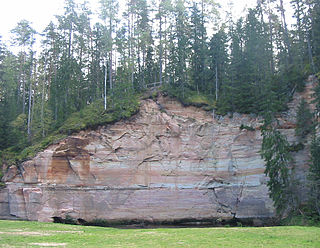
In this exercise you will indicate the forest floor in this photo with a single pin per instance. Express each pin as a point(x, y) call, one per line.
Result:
point(36, 234)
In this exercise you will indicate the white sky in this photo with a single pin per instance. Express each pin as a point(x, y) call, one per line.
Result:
point(38, 12)
point(41, 12)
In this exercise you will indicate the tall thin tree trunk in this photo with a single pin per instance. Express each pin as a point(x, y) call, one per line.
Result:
point(20, 80)
point(105, 85)
point(70, 40)
point(42, 108)
point(271, 39)
point(30, 99)
point(33, 101)
point(160, 45)
point(310, 17)
point(286, 34)
point(143, 67)
point(166, 51)
point(23, 84)
point(202, 46)
point(110, 54)
point(131, 45)
point(216, 82)
point(310, 55)
point(110, 71)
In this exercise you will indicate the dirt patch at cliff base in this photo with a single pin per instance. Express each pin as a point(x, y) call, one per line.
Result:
point(178, 223)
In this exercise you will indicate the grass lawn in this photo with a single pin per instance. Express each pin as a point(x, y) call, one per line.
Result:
point(35, 234)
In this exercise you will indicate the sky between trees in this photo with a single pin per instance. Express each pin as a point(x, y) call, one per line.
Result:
point(41, 12)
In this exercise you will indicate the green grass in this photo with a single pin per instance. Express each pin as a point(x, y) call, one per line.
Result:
point(190, 97)
point(35, 234)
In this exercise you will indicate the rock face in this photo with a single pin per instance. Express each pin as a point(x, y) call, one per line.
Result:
point(168, 163)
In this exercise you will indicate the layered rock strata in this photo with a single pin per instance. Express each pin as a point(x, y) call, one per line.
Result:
point(168, 163)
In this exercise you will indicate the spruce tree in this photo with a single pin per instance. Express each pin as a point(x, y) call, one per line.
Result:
point(275, 152)
point(314, 175)
point(303, 120)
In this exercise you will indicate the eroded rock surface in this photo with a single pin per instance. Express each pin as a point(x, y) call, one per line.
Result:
point(165, 164)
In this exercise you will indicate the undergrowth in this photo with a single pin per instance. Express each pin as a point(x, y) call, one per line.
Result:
point(189, 97)
point(91, 116)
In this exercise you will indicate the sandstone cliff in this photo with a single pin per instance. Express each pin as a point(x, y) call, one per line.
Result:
point(168, 163)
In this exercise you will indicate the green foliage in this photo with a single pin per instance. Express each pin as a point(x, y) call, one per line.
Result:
point(199, 50)
point(23, 34)
point(190, 97)
point(295, 78)
point(68, 220)
point(248, 128)
point(316, 96)
point(197, 100)
point(275, 152)
point(315, 28)
point(90, 117)
point(296, 147)
point(301, 220)
point(304, 120)
point(314, 175)
point(17, 133)
point(1, 173)
point(17, 154)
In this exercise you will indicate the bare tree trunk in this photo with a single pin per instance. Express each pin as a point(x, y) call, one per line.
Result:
point(143, 67)
point(271, 38)
point(286, 34)
point(160, 45)
point(23, 84)
point(110, 54)
point(312, 37)
point(131, 49)
point(110, 71)
point(20, 80)
point(310, 55)
point(216, 82)
point(33, 102)
point(202, 44)
point(42, 108)
point(105, 85)
point(70, 40)
point(30, 99)
point(129, 45)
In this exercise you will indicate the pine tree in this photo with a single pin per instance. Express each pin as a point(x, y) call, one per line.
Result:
point(24, 38)
point(314, 175)
point(303, 120)
point(163, 15)
point(315, 30)
point(144, 39)
point(3, 113)
point(275, 152)
point(109, 10)
point(218, 60)
point(179, 48)
point(198, 49)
